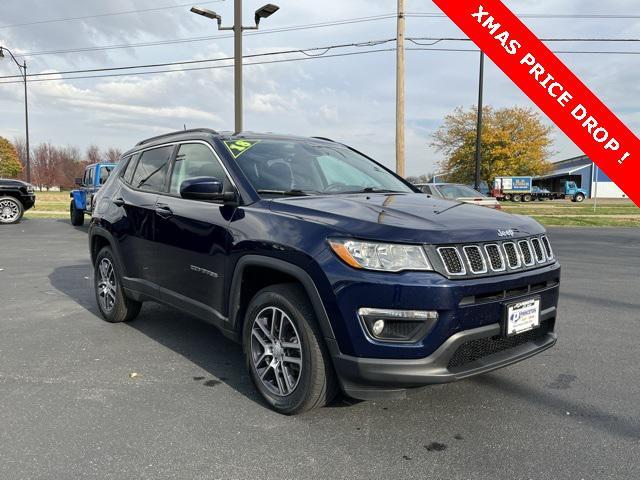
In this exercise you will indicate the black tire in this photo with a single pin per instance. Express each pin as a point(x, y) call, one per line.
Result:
point(11, 210)
point(507, 197)
point(77, 216)
point(517, 197)
point(315, 384)
point(123, 308)
point(527, 198)
point(579, 198)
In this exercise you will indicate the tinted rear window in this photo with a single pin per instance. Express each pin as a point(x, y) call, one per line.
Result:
point(151, 172)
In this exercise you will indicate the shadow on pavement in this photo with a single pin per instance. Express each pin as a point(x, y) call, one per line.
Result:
point(608, 422)
point(195, 340)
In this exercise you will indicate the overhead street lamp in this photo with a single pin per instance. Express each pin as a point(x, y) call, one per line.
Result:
point(263, 12)
point(23, 72)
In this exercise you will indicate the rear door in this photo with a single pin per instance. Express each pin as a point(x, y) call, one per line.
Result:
point(192, 236)
point(138, 198)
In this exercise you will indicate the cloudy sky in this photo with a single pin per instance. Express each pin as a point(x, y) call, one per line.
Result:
point(349, 98)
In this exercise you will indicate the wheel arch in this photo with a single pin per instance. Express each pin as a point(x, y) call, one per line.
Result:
point(100, 238)
point(270, 271)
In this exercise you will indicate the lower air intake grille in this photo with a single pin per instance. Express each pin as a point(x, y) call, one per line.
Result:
point(452, 260)
point(483, 347)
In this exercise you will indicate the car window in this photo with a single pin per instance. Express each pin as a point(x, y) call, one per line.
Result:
point(151, 172)
point(130, 167)
point(458, 191)
point(90, 172)
point(195, 160)
point(281, 166)
point(104, 174)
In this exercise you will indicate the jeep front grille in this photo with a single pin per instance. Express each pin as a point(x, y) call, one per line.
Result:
point(493, 258)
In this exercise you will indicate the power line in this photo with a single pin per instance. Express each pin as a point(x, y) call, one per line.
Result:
point(309, 56)
point(279, 30)
point(265, 62)
point(324, 50)
point(100, 15)
point(572, 16)
point(304, 51)
point(291, 28)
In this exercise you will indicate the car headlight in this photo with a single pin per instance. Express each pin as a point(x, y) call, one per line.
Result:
point(386, 257)
point(29, 188)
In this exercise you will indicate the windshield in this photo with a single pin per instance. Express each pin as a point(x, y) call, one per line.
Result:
point(458, 191)
point(306, 168)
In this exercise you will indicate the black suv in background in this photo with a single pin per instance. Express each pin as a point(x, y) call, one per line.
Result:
point(332, 271)
point(16, 197)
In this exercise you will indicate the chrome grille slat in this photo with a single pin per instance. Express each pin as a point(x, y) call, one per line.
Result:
point(452, 260)
point(513, 258)
point(495, 257)
point(537, 249)
point(547, 247)
point(475, 259)
point(526, 253)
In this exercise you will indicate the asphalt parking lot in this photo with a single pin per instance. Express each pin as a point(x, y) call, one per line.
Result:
point(69, 409)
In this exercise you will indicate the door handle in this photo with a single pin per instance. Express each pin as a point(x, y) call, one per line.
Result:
point(164, 210)
point(118, 202)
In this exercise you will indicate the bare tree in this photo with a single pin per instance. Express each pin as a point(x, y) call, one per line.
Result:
point(113, 154)
point(92, 155)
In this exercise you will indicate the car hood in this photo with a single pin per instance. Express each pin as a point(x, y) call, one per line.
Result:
point(407, 218)
point(11, 182)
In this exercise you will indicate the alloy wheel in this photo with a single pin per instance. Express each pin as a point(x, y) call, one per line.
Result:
point(276, 351)
point(106, 285)
point(9, 211)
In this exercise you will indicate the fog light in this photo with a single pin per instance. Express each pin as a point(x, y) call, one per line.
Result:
point(406, 326)
point(377, 328)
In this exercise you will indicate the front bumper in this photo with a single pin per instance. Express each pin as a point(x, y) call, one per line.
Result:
point(369, 378)
point(28, 201)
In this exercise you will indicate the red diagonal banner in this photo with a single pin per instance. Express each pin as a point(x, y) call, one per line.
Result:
point(553, 87)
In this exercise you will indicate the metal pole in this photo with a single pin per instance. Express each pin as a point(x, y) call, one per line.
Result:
point(400, 150)
point(479, 124)
point(26, 120)
point(595, 187)
point(237, 29)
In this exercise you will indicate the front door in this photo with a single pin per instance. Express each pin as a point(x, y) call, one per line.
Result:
point(192, 236)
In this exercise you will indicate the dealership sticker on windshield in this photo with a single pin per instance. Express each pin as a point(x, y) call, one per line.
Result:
point(238, 147)
point(523, 316)
point(559, 93)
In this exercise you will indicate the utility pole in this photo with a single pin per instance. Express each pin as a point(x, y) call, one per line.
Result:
point(400, 151)
point(479, 124)
point(263, 12)
point(26, 120)
point(23, 72)
point(237, 63)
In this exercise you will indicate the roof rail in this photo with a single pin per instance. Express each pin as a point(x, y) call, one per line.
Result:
point(325, 138)
point(192, 130)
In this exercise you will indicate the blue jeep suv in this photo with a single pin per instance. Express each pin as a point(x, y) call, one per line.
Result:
point(330, 270)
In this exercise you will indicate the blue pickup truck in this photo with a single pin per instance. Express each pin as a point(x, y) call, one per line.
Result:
point(94, 177)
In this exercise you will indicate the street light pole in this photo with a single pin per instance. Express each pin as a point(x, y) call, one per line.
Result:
point(263, 12)
point(479, 124)
point(23, 72)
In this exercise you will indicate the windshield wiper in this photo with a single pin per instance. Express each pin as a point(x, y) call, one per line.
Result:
point(374, 190)
point(289, 193)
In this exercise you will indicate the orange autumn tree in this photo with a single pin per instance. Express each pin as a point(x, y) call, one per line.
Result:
point(514, 142)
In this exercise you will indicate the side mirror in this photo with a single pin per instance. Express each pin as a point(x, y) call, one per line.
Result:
point(78, 181)
point(207, 188)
